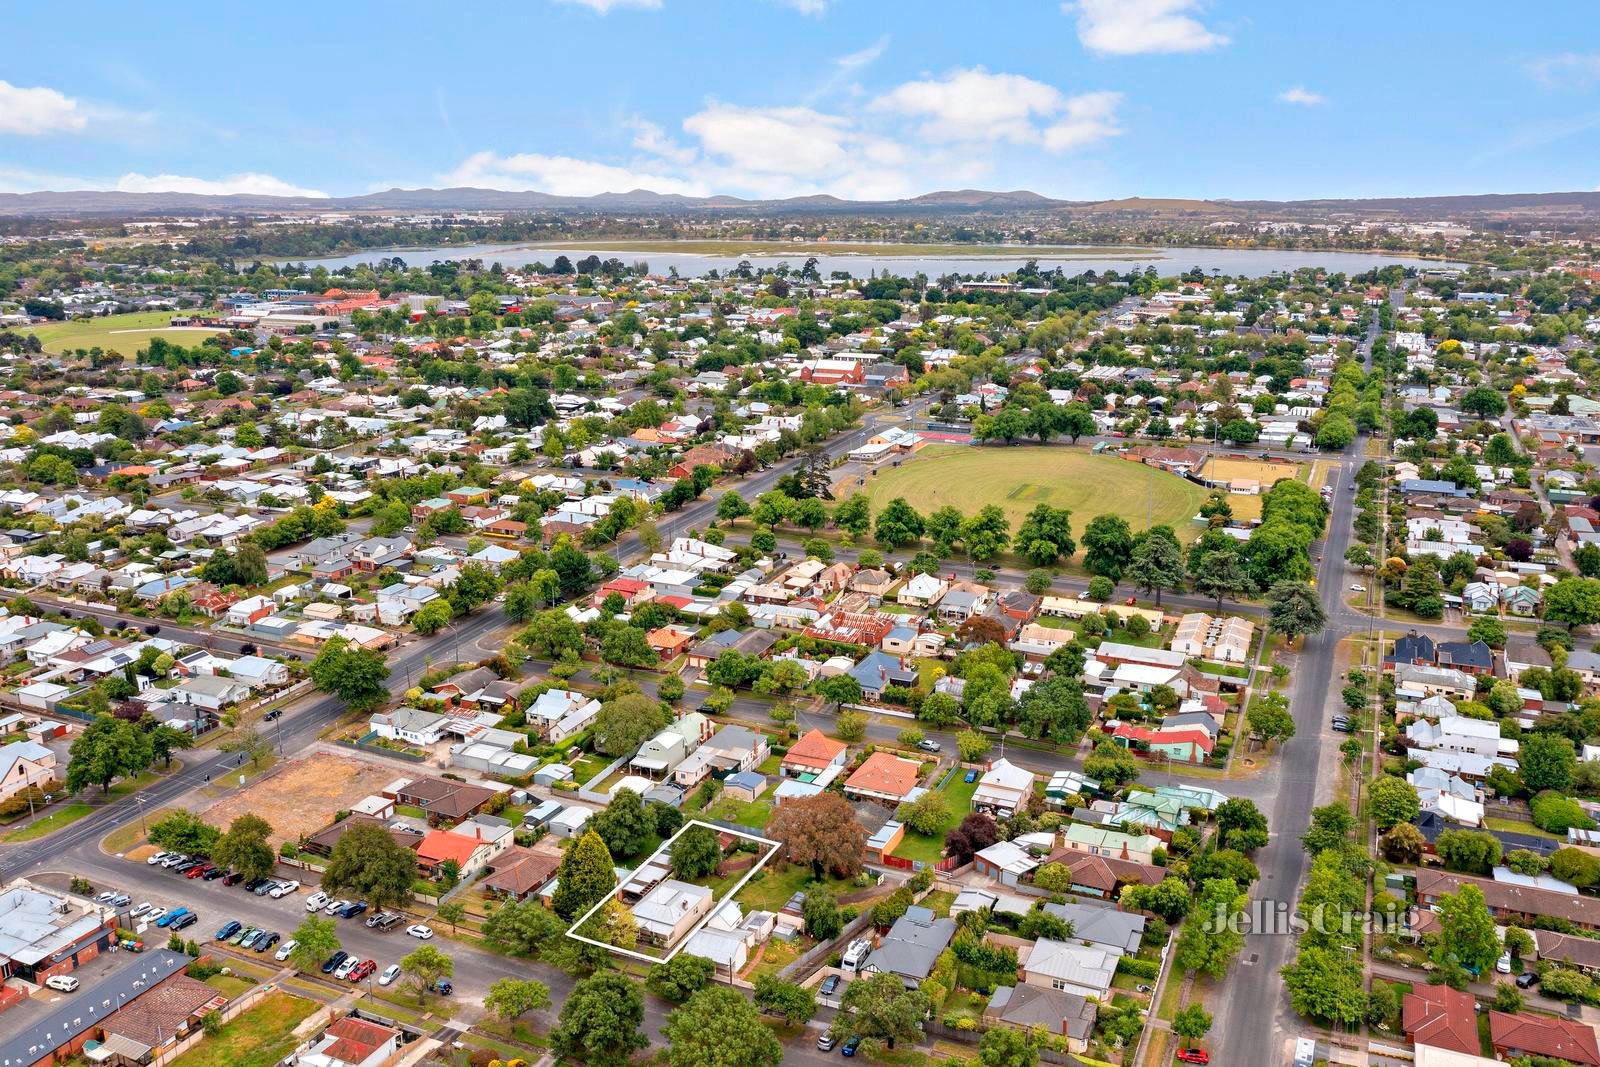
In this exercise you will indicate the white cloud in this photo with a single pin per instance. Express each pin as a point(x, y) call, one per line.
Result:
point(1133, 27)
point(232, 184)
point(561, 175)
point(864, 57)
point(815, 8)
point(1569, 70)
point(652, 139)
point(1090, 119)
point(977, 106)
point(605, 7)
point(1303, 96)
point(38, 110)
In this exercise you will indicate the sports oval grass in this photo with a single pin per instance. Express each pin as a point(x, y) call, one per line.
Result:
point(1019, 478)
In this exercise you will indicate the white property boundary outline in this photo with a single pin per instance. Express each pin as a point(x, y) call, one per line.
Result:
point(664, 848)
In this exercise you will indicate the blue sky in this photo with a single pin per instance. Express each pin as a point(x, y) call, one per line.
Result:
point(858, 98)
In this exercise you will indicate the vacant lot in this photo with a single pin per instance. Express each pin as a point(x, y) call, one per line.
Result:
point(1221, 469)
point(1020, 478)
point(303, 796)
point(124, 333)
point(258, 1038)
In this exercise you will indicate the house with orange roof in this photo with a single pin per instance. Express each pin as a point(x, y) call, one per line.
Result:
point(812, 755)
point(1440, 1016)
point(1543, 1035)
point(884, 777)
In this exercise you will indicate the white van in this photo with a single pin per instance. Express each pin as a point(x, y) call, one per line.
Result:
point(855, 954)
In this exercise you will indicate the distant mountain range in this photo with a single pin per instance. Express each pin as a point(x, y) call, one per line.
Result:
point(955, 201)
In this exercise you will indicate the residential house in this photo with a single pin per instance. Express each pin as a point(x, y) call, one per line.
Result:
point(24, 765)
point(1442, 1017)
point(813, 755)
point(558, 714)
point(411, 726)
point(884, 777)
point(729, 751)
point(668, 912)
point(1068, 967)
point(1003, 790)
point(911, 947)
point(442, 798)
point(1033, 1008)
point(661, 755)
point(922, 591)
point(1550, 1036)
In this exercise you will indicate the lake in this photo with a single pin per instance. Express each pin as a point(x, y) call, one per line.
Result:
point(1248, 262)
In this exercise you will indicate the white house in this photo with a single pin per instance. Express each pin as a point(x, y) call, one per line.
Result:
point(1003, 789)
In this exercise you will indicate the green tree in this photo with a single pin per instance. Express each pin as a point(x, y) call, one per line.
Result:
point(1325, 982)
point(433, 617)
point(245, 849)
point(108, 748)
point(1471, 851)
point(626, 722)
point(1045, 535)
point(586, 875)
point(1574, 601)
point(1548, 761)
point(1107, 546)
point(352, 673)
point(315, 939)
point(1269, 718)
point(1157, 562)
point(1192, 1023)
point(1219, 574)
point(600, 1021)
point(854, 514)
point(512, 998)
point(696, 853)
point(183, 831)
point(1330, 828)
point(367, 862)
point(1003, 1046)
point(680, 978)
point(1294, 610)
point(1110, 764)
point(987, 533)
point(452, 912)
point(718, 1027)
point(424, 966)
point(794, 1002)
point(821, 914)
point(624, 825)
point(1467, 936)
point(1241, 825)
point(898, 524)
point(882, 1007)
point(1392, 800)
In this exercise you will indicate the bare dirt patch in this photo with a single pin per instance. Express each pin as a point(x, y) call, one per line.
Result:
point(303, 796)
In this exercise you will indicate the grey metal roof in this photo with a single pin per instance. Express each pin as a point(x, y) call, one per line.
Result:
point(90, 1007)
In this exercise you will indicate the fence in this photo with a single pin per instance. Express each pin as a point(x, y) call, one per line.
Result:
point(811, 960)
point(585, 793)
point(365, 744)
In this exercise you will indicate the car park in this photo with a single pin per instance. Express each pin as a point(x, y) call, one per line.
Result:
point(316, 900)
point(285, 950)
point(239, 936)
point(64, 983)
point(390, 973)
point(363, 969)
point(249, 941)
point(334, 961)
point(264, 943)
point(172, 859)
point(228, 930)
point(418, 930)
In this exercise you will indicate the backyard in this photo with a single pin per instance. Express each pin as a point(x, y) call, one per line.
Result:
point(969, 477)
point(929, 848)
point(260, 1037)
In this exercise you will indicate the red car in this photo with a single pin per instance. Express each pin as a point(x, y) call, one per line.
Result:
point(200, 871)
point(1193, 1055)
point(363, 969)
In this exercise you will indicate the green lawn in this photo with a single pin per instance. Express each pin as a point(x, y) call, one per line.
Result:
point(587, 766)
point(929, 848)
point(1515, 826)
point(1019, 478)
point(754, 815)
point(259, 1038)
point(61, 815)
point(772, 886)
point(124, 333)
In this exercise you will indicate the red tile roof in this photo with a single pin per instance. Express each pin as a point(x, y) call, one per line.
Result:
point(1542, 1035)
point(1440, 1016)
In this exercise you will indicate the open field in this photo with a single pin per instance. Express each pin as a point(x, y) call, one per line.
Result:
point(125, 333)
point(258, 1038)
point(1020, 478)
point(303, 796)
point(1245, 506)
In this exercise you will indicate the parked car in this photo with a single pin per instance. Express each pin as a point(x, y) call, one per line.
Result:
point(199, 871)
point(214, 873)
point(1503, 964)
point(171, 917)
point(970, 777)
point(1526, 979)
point(850, 1047)
point(65, 983)
point(121, 900)
point(316, 900)
point(336, 906)
point(157, 858)
point(390, 973)
point(347, 968)
point(1357, 587)
point(172, 859)
point(249, 940)
point(419, 930)
point(186, 920)
point(334, 961)
point(442, 987)
point(928, 745)
point(228, 930)
point(238, 938)
point(285, 950)
point(283, 889)
point(363, 969)
point(1193, 1055)
point(139, 909)
point(350, 911)
point(232, 878)
point(826, 1042)
point(255, 884)
point(154, 915)
point(264, 943)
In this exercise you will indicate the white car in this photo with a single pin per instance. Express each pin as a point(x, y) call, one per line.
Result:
point(390, 973)
point(1503, 964)
point(157, 858)
point(1358, 588)
point(284, 889)
point(317, 901)
point(65, 983)
point(285, 950)
point(335, 907)
point(139, 909)
point(419, 931)
point(153, 914)
point(346, 967)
